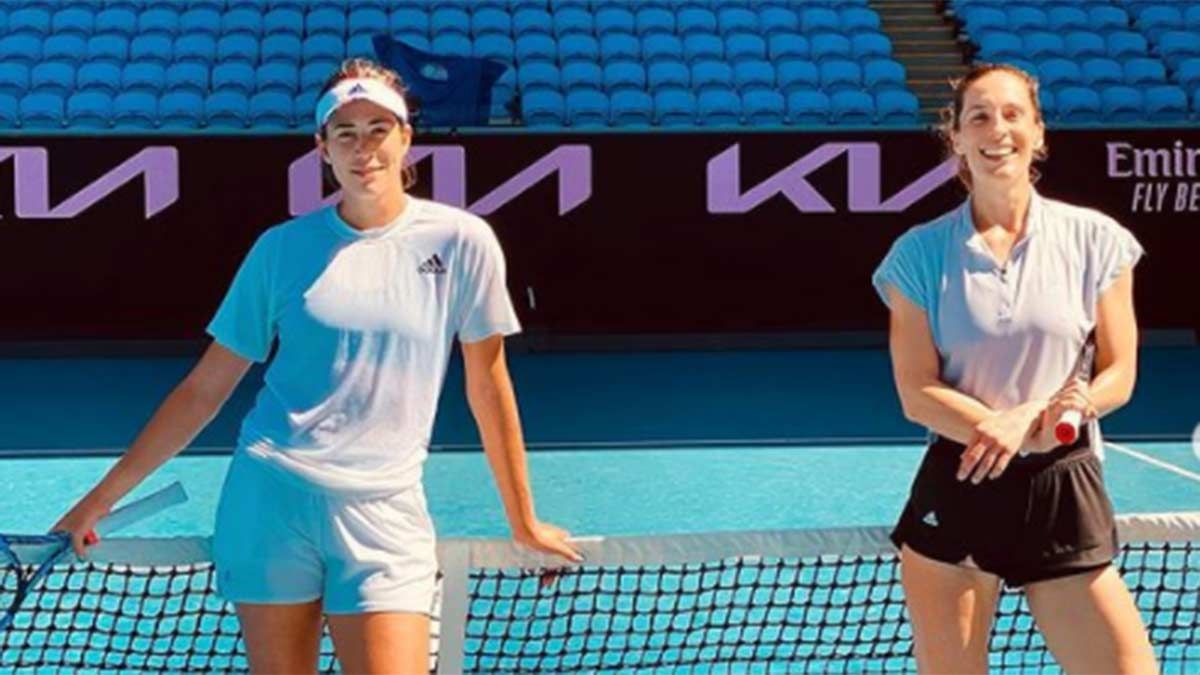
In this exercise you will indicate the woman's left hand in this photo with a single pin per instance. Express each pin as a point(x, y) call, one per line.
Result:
point(546, 538)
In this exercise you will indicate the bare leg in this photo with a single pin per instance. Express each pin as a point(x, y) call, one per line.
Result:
point(951, 608)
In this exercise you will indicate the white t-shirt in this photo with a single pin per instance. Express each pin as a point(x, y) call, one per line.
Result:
point(1010, 333)
point(365, 322)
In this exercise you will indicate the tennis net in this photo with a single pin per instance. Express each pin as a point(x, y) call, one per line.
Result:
point(825, 600)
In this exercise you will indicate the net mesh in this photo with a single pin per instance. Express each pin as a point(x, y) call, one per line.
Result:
point(827, 608)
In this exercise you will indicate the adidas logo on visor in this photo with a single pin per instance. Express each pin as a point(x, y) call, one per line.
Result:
point(356, 89)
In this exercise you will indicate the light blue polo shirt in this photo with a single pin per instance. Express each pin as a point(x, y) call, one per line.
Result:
point(365, 322)
point(1010, 333)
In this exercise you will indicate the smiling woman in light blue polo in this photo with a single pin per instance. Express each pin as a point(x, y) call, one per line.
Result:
point(992, 307)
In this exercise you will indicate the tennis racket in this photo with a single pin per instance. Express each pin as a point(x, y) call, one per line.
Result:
point(42, 552)
point(1066, 431)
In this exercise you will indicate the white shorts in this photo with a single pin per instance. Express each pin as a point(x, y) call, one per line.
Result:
point(276, 542)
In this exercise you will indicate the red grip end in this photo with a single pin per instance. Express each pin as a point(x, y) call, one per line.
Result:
point(91, 539)
point(1065, 433)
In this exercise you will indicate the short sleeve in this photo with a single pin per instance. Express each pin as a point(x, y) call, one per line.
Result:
point(905, 268)
point(1116, 250)
point(245, 322)
point(485, 308)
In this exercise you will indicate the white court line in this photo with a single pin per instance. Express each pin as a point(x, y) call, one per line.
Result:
point(1155, 461)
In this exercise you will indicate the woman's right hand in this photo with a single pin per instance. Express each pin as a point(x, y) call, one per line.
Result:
point(80, 522)
point(997, 439)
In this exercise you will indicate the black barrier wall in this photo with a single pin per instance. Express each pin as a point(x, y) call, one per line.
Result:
point(138, 237)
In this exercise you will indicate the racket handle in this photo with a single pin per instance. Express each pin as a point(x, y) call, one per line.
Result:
point(141, 509)
point(1067, 429)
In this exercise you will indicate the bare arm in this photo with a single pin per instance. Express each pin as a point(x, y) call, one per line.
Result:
point(185, 411)
point(1116, 346)
point(494, 406)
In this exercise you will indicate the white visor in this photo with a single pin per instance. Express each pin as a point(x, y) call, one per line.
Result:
point(354, 89)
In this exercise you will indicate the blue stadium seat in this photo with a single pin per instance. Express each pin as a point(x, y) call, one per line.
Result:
point(661, 47)
point(10, 116)
point(536, 47)
point(788, 46)
point(246, 21)
point(851, 107)
point(143, 76)
point(578, 47)
point(155, 47)
point(55, 77)
point(491, 22)
point(668, 75)
point(572, 21)
point(1100, 73)
point(235, 76)
point(884, 74)
point(196, 47)
point(896, 107)
point(614, 20)
point(158, 21)
point(271, 110)
point(362, 46)
point(110, 48)
point(1105, 18)
point(14, 79)
point(409, 20)
point(1078, 105)
point(1165, 104)
point(837, 75)
point(1121, 104)
point(718, 108)
point(543, 108)
point(1191, 17)
point(691, 20)
point(278, 77)
point(630, 108)
point(856, 20)
point(451, 44)
point(504, 89)
point(979, 20)
point(289, 22)
point(1048, 105)
point(90, 110)
point(702, 47)
point(494, 46)
point(135, 110)
point(1023, 17)
point(1155, 20)
point(211, 5)
point(1123, 44)
point(23, 48)
point(623, 75)
point(620, 47)
point(1082, 45)
point(414, 40)
point(829, 46)
point(42, 111)
point(538, 75)
point(865, 46)
point(1188, 74)
point(1178, 46)
point(304, 107)
point(281, 48)
point(739, 46)
point(762, 108)
point(516, 5)
point(581, 75)
point(238, 47)
point(64, 48)
point(326, 22)
point(1000, 46)
point(326, 48)
point(797, 75)
point(819, 19)
point(227, 109)
point(675, 108)
point(1056, 73)
point(753, 75)
point(649, 21)
point(777, 20)
point(1064, 18)
point(187, 77)
point(1023, 64)
point(117, 22)
point(314, 75)
point(1040, 45)
point(1143, 72)
point(73, 21)
point(532, 22)
point(449, 20)
point(29, 20)
point(206, 21)
point(737, 20)
point(587, 108)
point(711, 75)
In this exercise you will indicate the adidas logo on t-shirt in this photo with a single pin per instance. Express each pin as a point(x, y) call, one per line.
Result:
point(432, 266)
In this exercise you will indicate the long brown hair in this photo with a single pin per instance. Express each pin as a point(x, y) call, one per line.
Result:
point(951, 113)
point(355, 68)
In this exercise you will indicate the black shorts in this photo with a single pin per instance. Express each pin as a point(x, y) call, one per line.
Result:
point(1046, 516)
